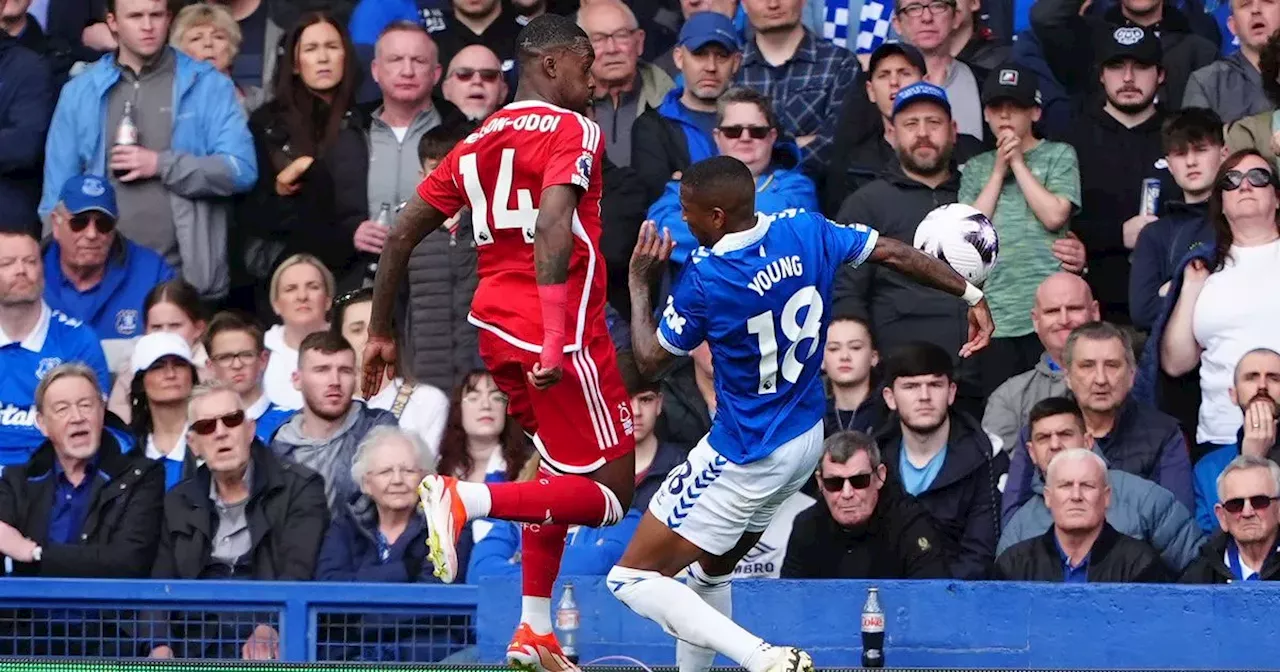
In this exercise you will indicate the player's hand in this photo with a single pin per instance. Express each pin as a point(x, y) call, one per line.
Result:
point(1259, 427)
point(134, 163)
point(981, 326)
point(651, 254)
point(543, 378)
point(379, 363)
point(1069, 252)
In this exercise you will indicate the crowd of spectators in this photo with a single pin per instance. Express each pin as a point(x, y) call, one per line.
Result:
point(194, 197)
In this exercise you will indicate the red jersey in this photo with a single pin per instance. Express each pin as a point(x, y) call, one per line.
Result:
point(499, 172)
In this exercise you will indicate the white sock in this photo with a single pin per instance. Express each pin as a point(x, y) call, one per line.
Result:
point(717, 592)
point(475, 498)
point(684, 615)
point(536, 612)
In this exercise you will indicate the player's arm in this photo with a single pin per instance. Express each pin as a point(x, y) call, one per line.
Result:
point(648, 260)
point(552, 251)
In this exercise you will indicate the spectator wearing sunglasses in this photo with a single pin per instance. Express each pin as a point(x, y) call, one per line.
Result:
point(474, 82)
point(1138, 508)
point(862, 530)
point(1246, 548)
point(91, 271)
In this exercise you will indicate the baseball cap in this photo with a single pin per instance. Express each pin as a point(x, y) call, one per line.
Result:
point(1012, 82)
point(84, 193)
point(1133, 42)
point(703, 28)
point(918, 92)
point(152, 347)
point(913, 56)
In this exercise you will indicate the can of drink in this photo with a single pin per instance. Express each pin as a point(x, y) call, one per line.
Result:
point(1150, 197)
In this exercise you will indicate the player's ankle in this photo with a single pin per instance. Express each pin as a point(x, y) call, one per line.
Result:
point(535, 612)
point(475, 499)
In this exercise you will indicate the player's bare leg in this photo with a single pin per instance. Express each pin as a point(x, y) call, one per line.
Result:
point(642, 580)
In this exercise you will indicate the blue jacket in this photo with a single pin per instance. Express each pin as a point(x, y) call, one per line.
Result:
point(350, 551)
point(588, 551)
point(1149, 385)
point(26, 103)
point(270, 421)
point(701, 145)
point(1161, 245)
point(113, 307)
point(371, 16)
point(211, 157)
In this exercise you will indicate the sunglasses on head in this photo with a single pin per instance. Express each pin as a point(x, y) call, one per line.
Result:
point(735, 132)
point(1258, 502)
point(487, 75)
point(836, 483)
point(101, 222)
point(1257, 177)
point(210, 425)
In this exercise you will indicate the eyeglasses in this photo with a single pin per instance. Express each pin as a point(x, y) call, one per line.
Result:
point(210, 425)
point(935, 8)
point(1258, 502)
point(101, 222)
point(836, 483)
point(618, 36)
point(409, 473)
point(229, 358)
point(1257, 177)
point(487, 75)
point(735, 132)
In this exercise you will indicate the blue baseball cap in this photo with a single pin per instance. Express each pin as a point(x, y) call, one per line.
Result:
point(703, 28)
point(918, 92)
point(84, 193)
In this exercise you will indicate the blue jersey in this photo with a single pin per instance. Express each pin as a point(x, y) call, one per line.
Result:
point(760, 299)
point(113, 307)
point(57, 339)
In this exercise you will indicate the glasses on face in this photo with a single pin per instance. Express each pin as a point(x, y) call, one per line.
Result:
point(408, 473)
point(618, 36)
point(735, 132)
point(836, 483)
point(935, 8)
point(1258, 502)
point(1257, 177)
point(101, 222)
point(210, 425)
point(487, 75)
point(243, 357)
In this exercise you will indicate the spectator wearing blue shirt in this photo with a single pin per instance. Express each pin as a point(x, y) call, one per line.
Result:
point(162, 377)
point(238, 357)
point(95, 274)
point(34, 339)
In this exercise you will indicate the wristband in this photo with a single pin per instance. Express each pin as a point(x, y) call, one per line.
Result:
point(972, 295)
point(553, 299)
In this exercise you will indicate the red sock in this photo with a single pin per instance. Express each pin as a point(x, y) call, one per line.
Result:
point(567, 500)
point(540, 557)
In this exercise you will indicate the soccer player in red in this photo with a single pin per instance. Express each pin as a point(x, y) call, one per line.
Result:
point(531, 176)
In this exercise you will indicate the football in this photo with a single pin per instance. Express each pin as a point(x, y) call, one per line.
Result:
point(961, 236)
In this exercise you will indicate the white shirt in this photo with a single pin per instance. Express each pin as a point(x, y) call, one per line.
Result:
point(277, 382)
point(1235, 313)
point(257, 408)
point(178, 454)
point(426, 413)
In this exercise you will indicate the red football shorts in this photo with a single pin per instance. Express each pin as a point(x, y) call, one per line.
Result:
point(579, 423)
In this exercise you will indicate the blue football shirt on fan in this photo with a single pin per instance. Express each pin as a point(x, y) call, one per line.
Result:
point(760, 299)
point(56, 339)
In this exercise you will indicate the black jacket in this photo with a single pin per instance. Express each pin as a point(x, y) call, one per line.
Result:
point(622, 211)
point(120, 531)
point(1210, 568)
point(897, 542)
point(26, 106)
point(963, 500)
point(287, 518)
point(659, 149)
point(1114, 558)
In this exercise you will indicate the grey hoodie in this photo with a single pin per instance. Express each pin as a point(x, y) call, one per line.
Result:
point(1010, 404)
point(331, 457)
point(1231, 86)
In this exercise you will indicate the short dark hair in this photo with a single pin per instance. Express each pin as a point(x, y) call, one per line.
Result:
point(436, 143)
point(1051, 406)
point(228, 321)
point(547, 33)
point(721, 180)
point(1098, 331)
point(918, 359)
point(748, 96)
point(324, 342)
point(180, 293)
point(632, 379)
point(1191, 126)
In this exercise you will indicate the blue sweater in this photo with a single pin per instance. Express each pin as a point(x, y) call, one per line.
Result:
point(113, 307)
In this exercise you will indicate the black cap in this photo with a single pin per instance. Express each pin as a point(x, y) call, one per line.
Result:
point(1012, 82)
point(913, 56)
point(1134, 42)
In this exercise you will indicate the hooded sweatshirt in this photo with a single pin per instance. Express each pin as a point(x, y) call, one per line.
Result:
point(331, 457)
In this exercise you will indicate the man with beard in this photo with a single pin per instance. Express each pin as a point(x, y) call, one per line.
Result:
point(33, 340)
point(1256, 389)
point(942, 458)
point(1232, 86)
point(1029, 187)
point(1119, 146)
point(1250, 521)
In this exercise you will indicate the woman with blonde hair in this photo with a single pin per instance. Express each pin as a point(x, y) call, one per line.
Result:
point(208, 32)
point(301, 294)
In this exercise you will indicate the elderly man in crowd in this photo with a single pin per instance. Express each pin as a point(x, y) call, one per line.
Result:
point(1138, 507)
point(474, 82)
point(1246, 549)
point(246, 514)
point(1080, 546)
point(863, 530)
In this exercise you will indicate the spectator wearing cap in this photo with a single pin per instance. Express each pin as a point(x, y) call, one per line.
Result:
point(1029, 187)
point(804, 75)
point(1232, 86)
point(91, 271)
point(666, 139)
point(1117, 141)
point(728, 8)
point(34, 338)
point(927, 25)
point(26, 104)
point(163, 377)
point(1071, 38)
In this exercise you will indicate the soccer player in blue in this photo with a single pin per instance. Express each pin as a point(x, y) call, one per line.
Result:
point(757, 293)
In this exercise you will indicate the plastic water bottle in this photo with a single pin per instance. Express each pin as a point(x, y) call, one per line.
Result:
point(872, 630)
point(567, 621)
point(384, 220)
